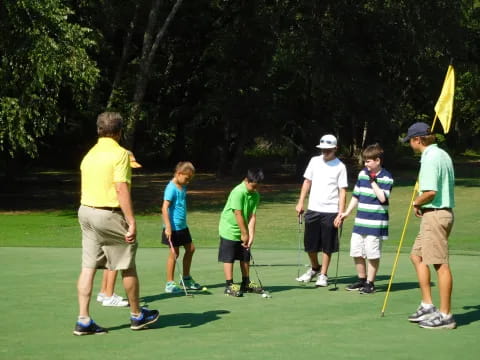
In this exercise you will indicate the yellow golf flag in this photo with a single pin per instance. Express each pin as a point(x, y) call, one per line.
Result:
point(444, 105)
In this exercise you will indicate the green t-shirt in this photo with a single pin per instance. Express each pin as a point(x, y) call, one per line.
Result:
point(436, 174)
point(239, 199)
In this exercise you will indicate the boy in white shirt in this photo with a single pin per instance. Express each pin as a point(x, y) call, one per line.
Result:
point(326, 182)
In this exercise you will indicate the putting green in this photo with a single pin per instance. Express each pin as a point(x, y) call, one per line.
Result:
point(298, 322)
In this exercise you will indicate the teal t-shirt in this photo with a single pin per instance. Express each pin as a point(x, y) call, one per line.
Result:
point(177, 210)
point(437, 174)
point(239, 199)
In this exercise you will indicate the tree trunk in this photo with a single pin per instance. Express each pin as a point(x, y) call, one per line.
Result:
point(149, 50)
point(123, 59)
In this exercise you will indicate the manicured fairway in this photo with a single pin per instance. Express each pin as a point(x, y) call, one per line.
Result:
point(39, 310)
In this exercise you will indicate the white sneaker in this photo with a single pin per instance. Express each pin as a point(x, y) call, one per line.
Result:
point(308, 276)
point(115, 300)
point(322, 280)
point(100, 297)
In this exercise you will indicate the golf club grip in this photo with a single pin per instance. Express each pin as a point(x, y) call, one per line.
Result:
point(300, 220)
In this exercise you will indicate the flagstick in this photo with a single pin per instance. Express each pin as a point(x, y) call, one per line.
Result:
point(399, 248)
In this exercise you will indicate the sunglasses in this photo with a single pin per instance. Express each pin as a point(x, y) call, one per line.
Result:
point(329, 142)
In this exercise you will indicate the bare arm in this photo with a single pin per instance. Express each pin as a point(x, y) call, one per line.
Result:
point(307, 184)
point(342, 200)
point(425, 198)
point(251, 229)
point(352, 205)
point(125, 201)
point(166, 219)
point(243, 227)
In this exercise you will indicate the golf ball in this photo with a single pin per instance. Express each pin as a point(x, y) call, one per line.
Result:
point(204, 288)
point(266, 295)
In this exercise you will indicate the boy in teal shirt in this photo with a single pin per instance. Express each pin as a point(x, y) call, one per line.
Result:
point(237, 232)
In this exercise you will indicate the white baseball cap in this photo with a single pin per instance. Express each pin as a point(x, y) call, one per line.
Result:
point(327, 142)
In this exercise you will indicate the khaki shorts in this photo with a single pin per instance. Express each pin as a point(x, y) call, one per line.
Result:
point(365, 246)
point(103, 240)
point(431, 243)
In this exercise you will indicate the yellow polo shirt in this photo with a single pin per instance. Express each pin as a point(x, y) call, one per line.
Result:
point(104, 165)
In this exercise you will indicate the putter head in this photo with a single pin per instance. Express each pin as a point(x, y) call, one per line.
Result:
point(334, 288)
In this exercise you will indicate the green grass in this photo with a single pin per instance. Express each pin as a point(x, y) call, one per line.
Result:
point(40, 256)
point(40, 308)
point(277, 223)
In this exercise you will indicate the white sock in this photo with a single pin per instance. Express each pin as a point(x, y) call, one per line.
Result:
point(426, 306)
point(85, 320)
point(445, 316)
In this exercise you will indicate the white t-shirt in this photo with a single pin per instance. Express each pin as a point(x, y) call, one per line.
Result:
point(327, 178)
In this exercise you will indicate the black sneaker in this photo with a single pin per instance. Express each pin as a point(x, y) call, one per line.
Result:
point(252, 288)
point(146, 317)
point(233, 290)
point(368, 288)
point(356, 286)
point(90, 329)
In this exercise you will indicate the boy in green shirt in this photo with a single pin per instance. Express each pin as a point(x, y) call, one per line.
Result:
point(237, 232)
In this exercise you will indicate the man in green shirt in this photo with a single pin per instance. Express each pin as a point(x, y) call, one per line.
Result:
point(237, 232)
point(434, 205)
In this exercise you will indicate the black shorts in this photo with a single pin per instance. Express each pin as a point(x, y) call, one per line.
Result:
point(320, 234)
point(231, 250)
point(179, 238)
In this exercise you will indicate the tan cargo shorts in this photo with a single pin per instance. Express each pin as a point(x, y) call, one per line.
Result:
point(103, 239)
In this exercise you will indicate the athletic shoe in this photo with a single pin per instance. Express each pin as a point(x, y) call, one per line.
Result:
point(356, 286)
point(146, 317)
point(368, 288)
point(114, 300)
point(233, 290)
point(322, 280)
point(422, 314)
point(251, 288)
point(100, 297)
point(172, 288)
point(308, 276)
point(438, 321)
point(191, 284)
point(90, 329)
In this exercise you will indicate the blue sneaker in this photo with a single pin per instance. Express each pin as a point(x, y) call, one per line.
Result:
point(146, 317)
point(90, 329)
point(171, 287)
point(191, 284)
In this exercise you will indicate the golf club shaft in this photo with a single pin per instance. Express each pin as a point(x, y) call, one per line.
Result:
point(300, 221)
point(172, 249)
point(255, 268)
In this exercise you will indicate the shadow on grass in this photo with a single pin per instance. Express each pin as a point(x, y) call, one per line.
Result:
point(183, 320)
point(468, 317)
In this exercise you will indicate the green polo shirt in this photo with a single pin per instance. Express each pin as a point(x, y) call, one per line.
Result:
point(436, 174)
point(239, 199)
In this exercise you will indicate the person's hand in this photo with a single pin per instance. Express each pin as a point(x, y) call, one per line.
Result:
point(131, 235)
point(244, 238)
point(417, 210)
point(338, 221)
point(299, 209)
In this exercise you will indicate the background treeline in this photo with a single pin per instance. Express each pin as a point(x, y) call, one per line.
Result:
point(225, 82)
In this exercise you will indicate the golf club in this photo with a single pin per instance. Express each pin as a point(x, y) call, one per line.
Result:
point(172, 249)
point(339, 236)
point(300, 221)
point(264, 293)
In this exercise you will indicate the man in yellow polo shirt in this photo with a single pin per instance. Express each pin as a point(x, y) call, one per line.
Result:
point(108, 224)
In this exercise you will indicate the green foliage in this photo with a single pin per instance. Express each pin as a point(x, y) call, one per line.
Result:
point(44, 62)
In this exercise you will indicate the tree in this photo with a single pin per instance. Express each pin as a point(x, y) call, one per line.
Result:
point(44, 64)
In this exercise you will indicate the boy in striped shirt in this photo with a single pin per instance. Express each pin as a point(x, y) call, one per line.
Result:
point(371, 197)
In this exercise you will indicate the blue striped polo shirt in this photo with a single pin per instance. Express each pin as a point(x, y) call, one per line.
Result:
point(372, 215)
